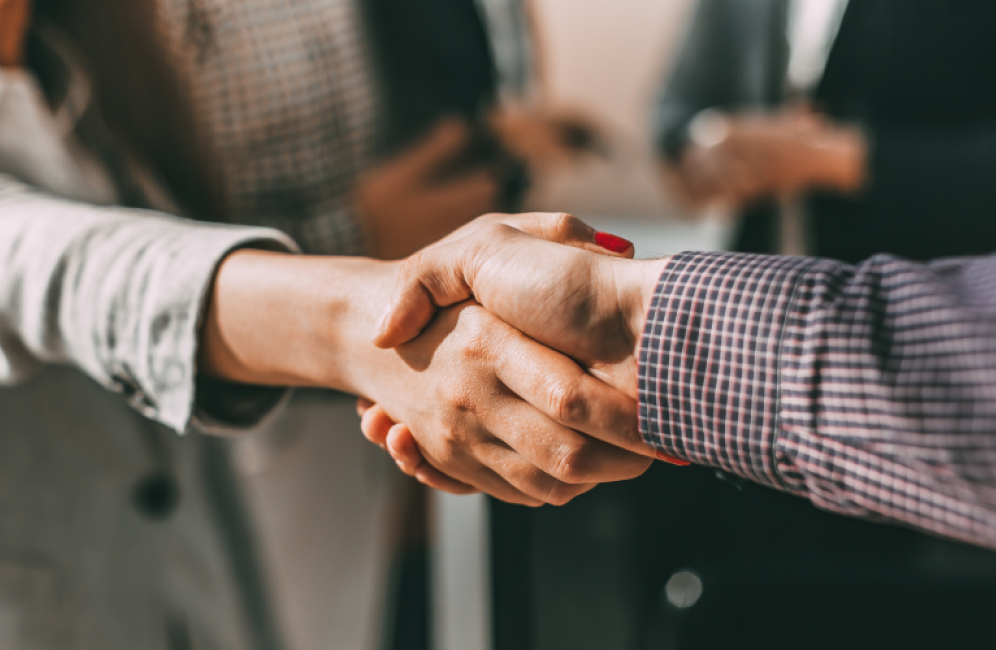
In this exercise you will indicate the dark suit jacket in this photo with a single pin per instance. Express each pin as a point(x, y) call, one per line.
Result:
point(913, 73)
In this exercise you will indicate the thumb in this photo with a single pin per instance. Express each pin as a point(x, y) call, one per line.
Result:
point(442, 274)
point(427, 281)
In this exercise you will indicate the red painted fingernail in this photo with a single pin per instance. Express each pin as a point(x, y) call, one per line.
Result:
point(612, 242)
point(672, 460)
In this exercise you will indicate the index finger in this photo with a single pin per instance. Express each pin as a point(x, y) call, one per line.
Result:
point(558, 387)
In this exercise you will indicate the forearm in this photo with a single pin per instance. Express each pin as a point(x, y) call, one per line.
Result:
point(869, 390)
point(284, 320)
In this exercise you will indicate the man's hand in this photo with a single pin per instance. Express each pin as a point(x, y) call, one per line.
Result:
point(736, 159)
point(575, 298)
point(408, 205)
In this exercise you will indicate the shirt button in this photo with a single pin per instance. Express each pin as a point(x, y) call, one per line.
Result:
point(156, 496)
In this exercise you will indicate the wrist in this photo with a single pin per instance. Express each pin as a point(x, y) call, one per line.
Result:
point(279, 319)
point(635, 284)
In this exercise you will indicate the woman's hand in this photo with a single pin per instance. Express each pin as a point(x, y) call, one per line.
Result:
point(487, 405)
point(548, 275)
point(576, 299)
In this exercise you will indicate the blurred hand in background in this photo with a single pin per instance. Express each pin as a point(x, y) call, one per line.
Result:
point(545, 137)
point(736, 159)
point(408, 202)
point(15, 17)
point(456, 173)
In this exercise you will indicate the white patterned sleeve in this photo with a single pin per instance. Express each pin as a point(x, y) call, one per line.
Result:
point(118, 293)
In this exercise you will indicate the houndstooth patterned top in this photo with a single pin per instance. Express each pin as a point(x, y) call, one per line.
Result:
point(285, 89)
point(870, 390)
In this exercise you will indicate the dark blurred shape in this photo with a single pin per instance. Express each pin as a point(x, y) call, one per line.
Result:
point(434, 62)
point(157, 496)
point(910, 73)
point(773, 572)
point(408, 615)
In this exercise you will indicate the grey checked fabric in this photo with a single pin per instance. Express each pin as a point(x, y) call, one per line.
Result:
point(287, 98)
point(870, 390)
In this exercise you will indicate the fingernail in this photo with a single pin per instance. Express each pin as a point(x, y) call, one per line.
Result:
point(667, 458)
point(612, 242)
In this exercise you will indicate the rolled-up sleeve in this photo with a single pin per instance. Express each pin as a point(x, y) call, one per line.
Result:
point(118, 293)
point(869, 389)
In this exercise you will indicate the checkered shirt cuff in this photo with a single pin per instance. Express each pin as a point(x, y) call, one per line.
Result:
point(709, 359)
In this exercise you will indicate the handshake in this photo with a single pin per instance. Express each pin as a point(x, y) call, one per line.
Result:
point(526, 329)
point(506, 361)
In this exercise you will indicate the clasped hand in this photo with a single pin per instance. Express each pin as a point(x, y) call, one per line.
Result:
point(559, 317)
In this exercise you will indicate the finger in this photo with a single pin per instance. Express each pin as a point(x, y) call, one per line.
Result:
point(561, 453)
point(362, 404)
point(566, 229)
point(464, 466)
point(405, 452)
point(488, 481)
point(403, 448)
point(526, 477)
point(444, 142)
point(432, 477)
point(376, 425)
point(556, 386)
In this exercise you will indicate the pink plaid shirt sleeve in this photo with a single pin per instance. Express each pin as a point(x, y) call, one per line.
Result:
point(870, 390)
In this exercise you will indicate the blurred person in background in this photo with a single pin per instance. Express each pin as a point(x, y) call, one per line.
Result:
point(839, 129)
point(285, 126)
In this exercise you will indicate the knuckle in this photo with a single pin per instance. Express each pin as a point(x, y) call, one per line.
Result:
point(567, 402)
point(560, 225)
point(571, 462)
point(478, 333)
point(491, 217)
point(446, 450)
point(411, 266)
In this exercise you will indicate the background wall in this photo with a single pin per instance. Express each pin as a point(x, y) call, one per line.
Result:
point(608, 58)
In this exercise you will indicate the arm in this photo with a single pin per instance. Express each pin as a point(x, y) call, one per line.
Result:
point(134, 300)
point(116, 292)
point(869, 390)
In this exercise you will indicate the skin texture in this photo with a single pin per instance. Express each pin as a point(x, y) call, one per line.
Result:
point(491, 407)
point(589, 306)
point(777, 154)
point(15, 16)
